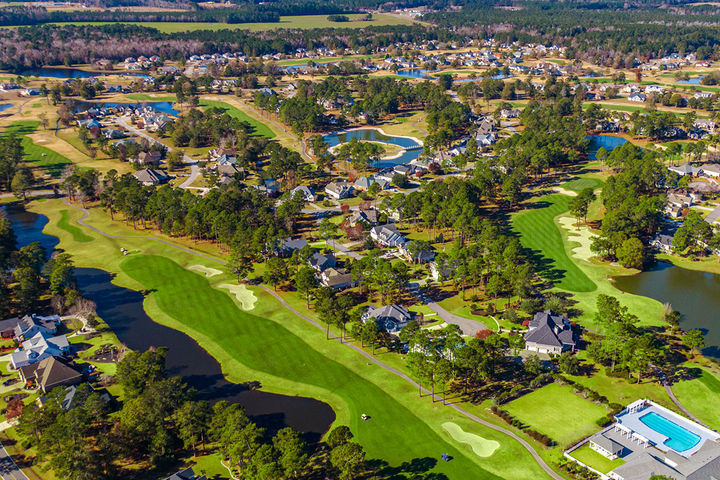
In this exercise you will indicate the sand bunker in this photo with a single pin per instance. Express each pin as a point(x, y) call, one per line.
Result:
point(583, 236)
point(244, 295)
point(482, 447)
point(207, 271)
point(564, 191)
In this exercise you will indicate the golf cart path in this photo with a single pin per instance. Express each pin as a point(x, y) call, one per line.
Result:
point(362, 352)
point(671, 394)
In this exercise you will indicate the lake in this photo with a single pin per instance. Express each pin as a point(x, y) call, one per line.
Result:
point(5, 106)
point(692, 293)
point(609, 142)
point(373, 135)
point(167, 108)
point(414, 73)
point(122, 309)
point(691, 81)
point(74, 73)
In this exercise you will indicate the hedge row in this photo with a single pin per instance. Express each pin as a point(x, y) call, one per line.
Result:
point(540, 437)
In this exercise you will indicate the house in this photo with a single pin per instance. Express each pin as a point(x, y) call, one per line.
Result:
point(338, 190)
point(637, 97)
point(149, 158)
point(369, 216)
point(550, 333)
point(679, 200)
point(228, 170)
point(336, 278)
point(307, 193)
point(30, 325)
point(151, 176)
point(686, 169)
point(364, 183)
point(662, 242)
point(50, 373)
point(272, 187)
point(89, 123)
point(711, 170)
point(226, 159)
point(484, 139)
point(605, 446)
point(38, 348)
point(30, 92)
point(445, 271)
point(387, 235)
point(113, 133)
point(705, 124)
point(321, 262)
point(187, 474)
point(287, 246)
point(510, 112)
point(390, 318)
point(416, 252)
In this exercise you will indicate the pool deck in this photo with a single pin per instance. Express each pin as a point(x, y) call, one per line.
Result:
point(630, 419)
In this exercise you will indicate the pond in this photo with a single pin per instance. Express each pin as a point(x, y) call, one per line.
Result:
point(123, 311)
point(73, 73)
point(609, 142)
point(5, 106)
point(692, 293)
point(414, 73)
point(413, 149)
point(691, 81)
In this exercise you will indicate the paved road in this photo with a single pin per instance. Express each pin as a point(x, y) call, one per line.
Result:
point(714, 215)
point(390, 369)
point(468, 326)
point(8, 469)
point(33, 193)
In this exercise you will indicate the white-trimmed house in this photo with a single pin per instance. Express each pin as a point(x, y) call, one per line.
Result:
point(390, 318)
point(550, 333)
point(387, 235)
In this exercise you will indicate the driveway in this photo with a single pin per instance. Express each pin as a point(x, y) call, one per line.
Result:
point(468, 326)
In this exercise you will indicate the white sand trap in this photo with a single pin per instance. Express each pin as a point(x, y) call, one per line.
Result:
point(583, 236)
point(565, 191)
point(207, 271)
point(244, 295)
point(482, 447)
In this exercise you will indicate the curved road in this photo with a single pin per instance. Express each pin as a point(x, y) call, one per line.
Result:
point(390, 369)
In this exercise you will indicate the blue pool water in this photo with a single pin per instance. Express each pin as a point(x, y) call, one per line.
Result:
point(679, 439)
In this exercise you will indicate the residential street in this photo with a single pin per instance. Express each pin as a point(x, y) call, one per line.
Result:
point(8, 469)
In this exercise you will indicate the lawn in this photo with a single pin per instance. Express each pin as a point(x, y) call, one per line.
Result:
point(580, 184)
point(260, 128)
point(701, 396)
point(539, 233)
point(593, 459)
point(77, 234)
point(298, 21)
point(37, 156)
point(294, 355)
point(557, 412)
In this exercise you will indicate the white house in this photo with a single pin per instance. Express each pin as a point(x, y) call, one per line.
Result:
point(338, 190)
point(387, 235)
point(38, 348)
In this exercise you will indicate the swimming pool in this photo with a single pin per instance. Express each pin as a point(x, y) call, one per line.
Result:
point(679, 438)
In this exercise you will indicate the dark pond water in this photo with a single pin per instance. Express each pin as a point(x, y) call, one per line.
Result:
point(72, 73)
point(122, 309)
point(414, 73)
point(694, 294)
point(607, 141)
point(372, 135)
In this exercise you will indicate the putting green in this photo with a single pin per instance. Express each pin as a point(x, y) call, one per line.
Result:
point(207, 271)
point(482, 447)
point(246, 297)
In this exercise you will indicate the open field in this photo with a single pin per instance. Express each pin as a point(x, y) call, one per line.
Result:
point(590, 457)
point(261, 129)
point(288, 355)
point(290, 22)
point(36, 155)
point(701, 396)
point(557, 412)
point(539, 233)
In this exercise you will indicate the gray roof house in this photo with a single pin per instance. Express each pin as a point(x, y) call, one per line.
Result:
point(336, 278)
point(389, 317)
point(38, 348)
point(387, 235)
point(308, 194)
point(686, 169)
point(151, 176)
point(287, 246)
point(30, 325)
point(606, 446)
point(50, 373)
point(338, 190)
point(320, 261)
point(187, 474)
point(549, 333)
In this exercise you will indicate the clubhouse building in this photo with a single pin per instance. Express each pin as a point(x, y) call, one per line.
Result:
point(648, 439)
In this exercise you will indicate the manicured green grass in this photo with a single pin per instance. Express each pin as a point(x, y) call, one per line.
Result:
point(261, 129)
point(150, 98)
point(539, 233)
point(394, 433)
point(593, 459)
point(297, 21)
point(36, 155)
point(701, 396)
point(580, 184)
point(77, 234)
point(557, 412)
